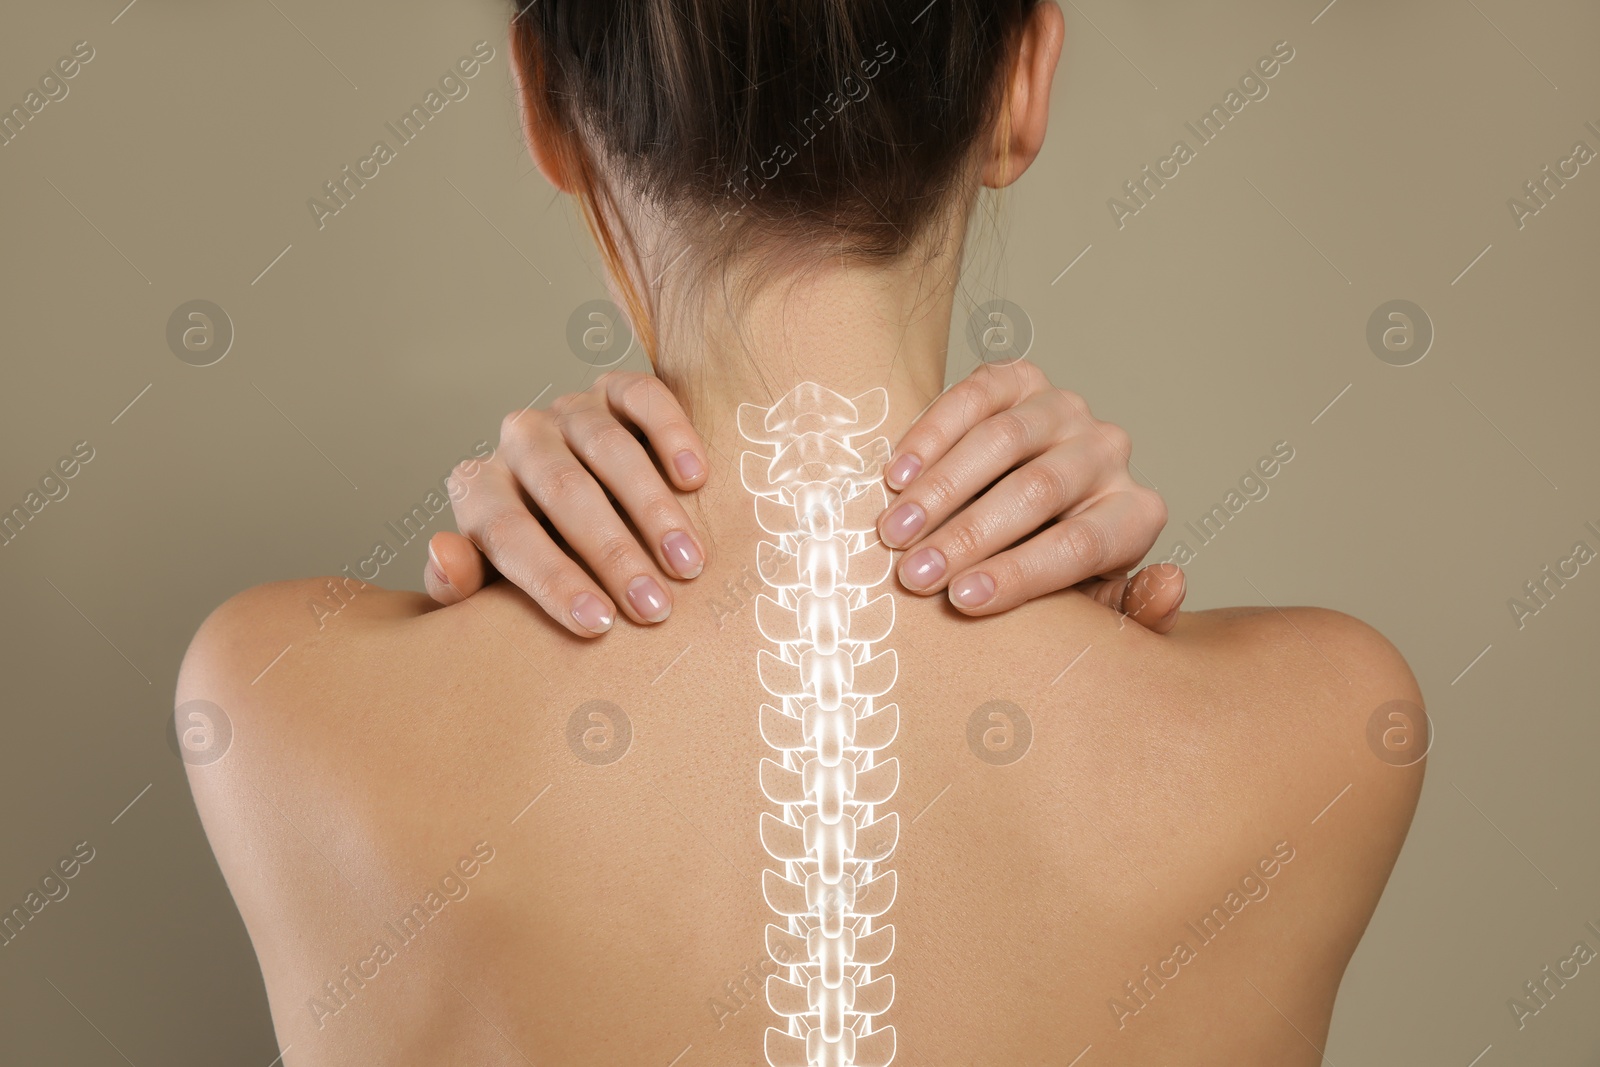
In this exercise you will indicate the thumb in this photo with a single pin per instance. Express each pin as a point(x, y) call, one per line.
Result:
point(455, 569)
point(1150, 598)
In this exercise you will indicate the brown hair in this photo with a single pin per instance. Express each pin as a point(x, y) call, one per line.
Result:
point(842, 124)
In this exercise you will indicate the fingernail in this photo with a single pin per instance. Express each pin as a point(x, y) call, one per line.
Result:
point(903, 524)
point(433, 565)
point(973, 591)
point(682, 555)
point(902, 470)
point(591, 613)
point(648, 599)
point(688, 465)
point(1172, 612)
point(922, 568)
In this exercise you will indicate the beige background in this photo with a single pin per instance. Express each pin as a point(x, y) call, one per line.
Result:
point(1224, 317)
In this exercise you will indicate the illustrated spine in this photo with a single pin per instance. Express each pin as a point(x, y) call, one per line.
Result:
point(815, 472)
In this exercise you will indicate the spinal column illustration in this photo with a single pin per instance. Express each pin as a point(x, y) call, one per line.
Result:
point(818, 488)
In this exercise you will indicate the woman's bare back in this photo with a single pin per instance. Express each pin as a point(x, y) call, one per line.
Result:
point(461, 835)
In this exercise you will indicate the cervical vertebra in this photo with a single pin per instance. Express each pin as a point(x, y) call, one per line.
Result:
point(819, 490)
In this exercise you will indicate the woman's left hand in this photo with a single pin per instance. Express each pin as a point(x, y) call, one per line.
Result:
point(1003, 455)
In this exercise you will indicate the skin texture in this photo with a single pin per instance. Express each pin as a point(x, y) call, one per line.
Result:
point(1162, 770)
point(614, 912)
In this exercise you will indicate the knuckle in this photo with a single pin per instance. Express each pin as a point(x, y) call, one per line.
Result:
point(498, 532)
point(937, 488)
point(1120, 440)
point(638, 390)
point(1073, 406)
point(574, 407)
point(961, 541)
point(565, 480)
point(614, 378)
point(1042, 485)
point(1027, 373)
point(1155, 506)
point(1084, 541)
point(973, 392)
point(1017, 580)
point(518, 426)
point(461, 477)
point(616, 554)
point(541, 583)
point(1012, 431)
point(1018, 571)
point(606, 440)
point(659, 513)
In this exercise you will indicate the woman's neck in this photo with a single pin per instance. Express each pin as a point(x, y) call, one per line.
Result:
point(847, 327)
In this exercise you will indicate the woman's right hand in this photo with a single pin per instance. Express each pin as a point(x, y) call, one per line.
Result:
point(565, 458)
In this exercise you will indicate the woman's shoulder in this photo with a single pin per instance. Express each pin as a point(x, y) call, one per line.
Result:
point(1325, 672)
point(1336, 726)
point(281, 615)
point(267, 644)
point(279, 650)
point(1331, 636)
point(1322, 655)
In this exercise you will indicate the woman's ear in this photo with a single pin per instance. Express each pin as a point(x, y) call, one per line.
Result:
point(1019, 133)
point(536, 132)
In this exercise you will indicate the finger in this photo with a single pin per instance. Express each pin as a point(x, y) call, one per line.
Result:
point(1078, 547)
point(495, 516)
point(455, 570)
point(572, 501)
point(1019, 504)
point(986, 391)
point(620, 462)
point(1150, 598)
point(986, 452)
point(650, 405)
